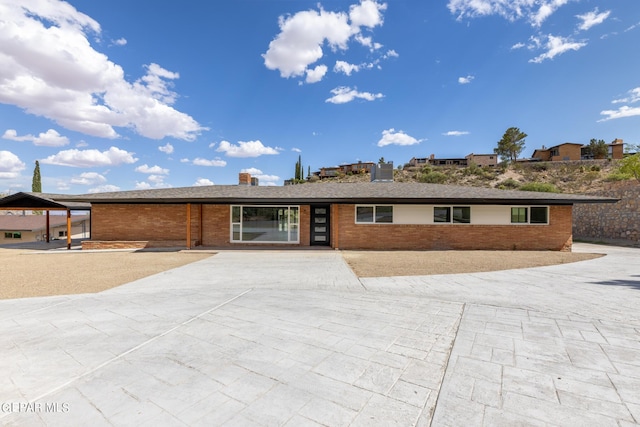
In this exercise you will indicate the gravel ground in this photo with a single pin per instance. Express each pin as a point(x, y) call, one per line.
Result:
point(419, 263)
point(32, 274)
point(27, 273)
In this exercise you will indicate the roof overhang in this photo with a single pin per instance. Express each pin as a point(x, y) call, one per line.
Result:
point(40, 201)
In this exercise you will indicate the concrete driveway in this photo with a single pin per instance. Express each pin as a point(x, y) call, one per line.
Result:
point(294, 338)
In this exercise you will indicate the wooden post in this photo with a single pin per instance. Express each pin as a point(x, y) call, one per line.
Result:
point(188, 225)
point(68, 229)
point(47, 230)
point(200, 228)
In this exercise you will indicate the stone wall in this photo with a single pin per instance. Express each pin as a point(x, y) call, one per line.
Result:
point(610, 222)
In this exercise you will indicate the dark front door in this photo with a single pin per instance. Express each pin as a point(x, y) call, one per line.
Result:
point(320, 225)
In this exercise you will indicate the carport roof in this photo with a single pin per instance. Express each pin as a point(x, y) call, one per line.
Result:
point(369, 192)
point(26, 200)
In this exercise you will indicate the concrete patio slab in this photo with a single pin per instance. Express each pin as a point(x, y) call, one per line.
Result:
point(294, 338)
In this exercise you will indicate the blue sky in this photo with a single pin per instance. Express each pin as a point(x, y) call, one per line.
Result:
point(124, 95)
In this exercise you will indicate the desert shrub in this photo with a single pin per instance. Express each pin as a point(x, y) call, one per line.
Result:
point(618, 176)
point(595, 168)
point(539, 167)
point(432, 177)
point(508, 184)
point(543, 187)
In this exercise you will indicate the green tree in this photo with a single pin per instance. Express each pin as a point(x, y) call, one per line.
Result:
point(511, 144)
point(598, 148)
point(630, 165)
point(299, 172)
point(36, 182)
point(381, 161)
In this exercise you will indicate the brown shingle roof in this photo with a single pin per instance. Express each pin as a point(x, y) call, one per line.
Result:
point(369, 192)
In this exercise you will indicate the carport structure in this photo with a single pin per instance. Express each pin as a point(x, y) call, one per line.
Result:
point(46, 202)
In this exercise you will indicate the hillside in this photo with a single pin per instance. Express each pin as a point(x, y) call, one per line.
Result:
point(583, 177)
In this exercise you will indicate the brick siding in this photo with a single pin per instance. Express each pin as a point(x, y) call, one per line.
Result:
point(554, 236)
point(164, 225)
point(119, 226)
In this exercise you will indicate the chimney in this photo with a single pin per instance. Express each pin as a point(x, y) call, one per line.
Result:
point(244, 178)
point(431, 157)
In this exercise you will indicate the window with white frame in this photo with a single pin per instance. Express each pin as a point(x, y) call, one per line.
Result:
point(452, 214)
point(265, 224)
point(374, 214)
point(530, 215)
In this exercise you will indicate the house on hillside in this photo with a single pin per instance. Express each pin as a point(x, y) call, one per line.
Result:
point(369, 215)
point(574, 151)
point(477, 159)
point(33, 228)
point(346, 169)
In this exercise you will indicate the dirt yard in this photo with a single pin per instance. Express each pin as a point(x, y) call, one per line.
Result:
point(418, 263)
point(25, 273)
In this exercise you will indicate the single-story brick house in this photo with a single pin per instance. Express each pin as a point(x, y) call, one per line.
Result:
point(370, 215)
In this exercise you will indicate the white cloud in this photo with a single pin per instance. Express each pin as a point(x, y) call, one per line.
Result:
point(465, 80)
point(535, 11)
point(152, 170)
point(205, 162)
point(518, 46)
point(303, 35)
point(120, 42)
point(625, 110)
point(50, 69)
point(591, 19)
point(557, 46)
point(143, 185)
point(345, 67)
point(201, 182)
point(634, 96)
point(10, 165)
point(297, 150)
point(185, 160)
point(88, 178)
point(104, 188)
point(245, 149)
point(455, 133)
point(263, 178)
point(343, 94)
point(393, 137)
point(366, 14)
point(156, 179)
point(316, 74)
point(90, 158)
point(391, 54)
point(167, 148)
point(50, 138)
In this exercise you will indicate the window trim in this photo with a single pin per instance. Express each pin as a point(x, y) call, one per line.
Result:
point(450, 214)
point(528, 213)
point(253, 242)
point(355, 212)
